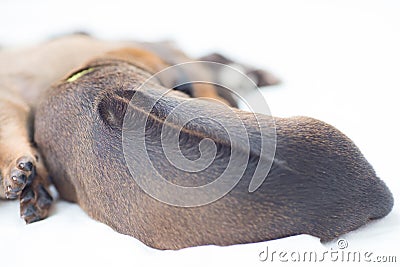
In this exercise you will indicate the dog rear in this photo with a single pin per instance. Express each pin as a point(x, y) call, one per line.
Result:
point(319, 183)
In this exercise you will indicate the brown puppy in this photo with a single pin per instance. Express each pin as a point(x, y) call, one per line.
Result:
point(319, 183)
point(25, 75)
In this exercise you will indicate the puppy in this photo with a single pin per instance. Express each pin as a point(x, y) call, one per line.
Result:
point(319, 183)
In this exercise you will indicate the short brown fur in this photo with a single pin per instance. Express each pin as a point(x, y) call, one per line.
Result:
point(319, 184)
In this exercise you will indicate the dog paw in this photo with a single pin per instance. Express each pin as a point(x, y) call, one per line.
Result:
point(35, 202)
point(22, 170)
point(26, 178)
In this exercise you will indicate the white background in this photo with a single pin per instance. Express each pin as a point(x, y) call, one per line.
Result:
point(339, 62)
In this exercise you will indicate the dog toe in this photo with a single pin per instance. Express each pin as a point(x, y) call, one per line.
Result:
point(25, 163)
point(35, 202)
point(15, 183)
point(20, 173)
point(29, 213)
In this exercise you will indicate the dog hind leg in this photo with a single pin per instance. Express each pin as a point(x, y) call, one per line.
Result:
point(22, 172)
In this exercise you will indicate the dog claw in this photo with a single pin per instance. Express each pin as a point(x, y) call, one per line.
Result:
point(25, 164)
point(19, 177)
point(10, 194)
